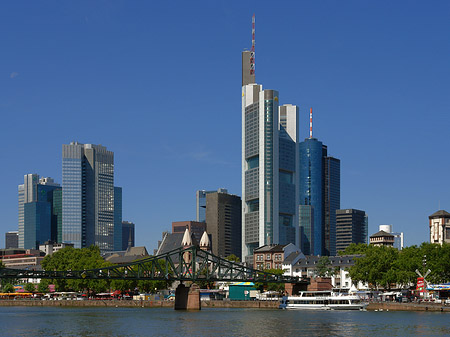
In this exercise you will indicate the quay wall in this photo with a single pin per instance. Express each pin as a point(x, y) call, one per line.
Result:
point(385, 306)
point(136, 304)
point(394, 306)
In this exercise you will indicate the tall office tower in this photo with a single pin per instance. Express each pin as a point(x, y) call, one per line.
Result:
point(350, 228)
point(319, 187)
point(269, 176)
point(118, 224)
point(12, 239)
point(201, 202)
point(88, 196)
point(306, 226)
point(223, 222)
point(128, 235)
point(332, 202)
point(38, 213)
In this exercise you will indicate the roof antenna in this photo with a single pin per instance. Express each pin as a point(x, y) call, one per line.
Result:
point(310, 123)
point(252, 54)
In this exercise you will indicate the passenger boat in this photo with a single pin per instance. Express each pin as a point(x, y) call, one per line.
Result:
point(322, 300)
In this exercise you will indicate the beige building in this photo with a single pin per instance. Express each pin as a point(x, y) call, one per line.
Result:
point(382, 239)
point(439, 227)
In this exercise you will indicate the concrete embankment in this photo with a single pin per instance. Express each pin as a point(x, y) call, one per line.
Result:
point(137, 304)
point(394, 306)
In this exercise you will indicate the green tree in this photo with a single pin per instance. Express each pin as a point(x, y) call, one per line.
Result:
point(354, 249)
point(233, 258)
point(30, 288)
point(323, 267)
point(8, 288)
point(271, 286)
point(43, 286)
point(73, 259)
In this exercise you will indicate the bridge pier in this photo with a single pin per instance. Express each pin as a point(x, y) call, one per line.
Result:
point(187, 298)
point(294, 288)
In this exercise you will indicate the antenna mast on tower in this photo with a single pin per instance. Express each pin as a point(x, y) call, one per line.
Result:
point(310, 123)
point(252, 55)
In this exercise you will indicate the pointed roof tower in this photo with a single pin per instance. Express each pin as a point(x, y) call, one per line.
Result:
point(187, 240)
point(205, 244)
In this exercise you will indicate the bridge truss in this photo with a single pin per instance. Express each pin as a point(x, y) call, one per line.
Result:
point(183, 264)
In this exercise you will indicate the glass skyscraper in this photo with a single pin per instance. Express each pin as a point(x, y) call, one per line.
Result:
point(269, 170)
point(88, 196)
point(319, 187)
point(38, 213)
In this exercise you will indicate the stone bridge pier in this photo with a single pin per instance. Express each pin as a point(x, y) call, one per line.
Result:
point(187, 298)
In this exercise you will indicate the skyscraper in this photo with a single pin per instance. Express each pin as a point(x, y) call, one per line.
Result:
point(201, 202)
point(38, 211)
point(319, 187)
point(88, 196)
point(269, 175)
point(351, 227)
point(128, 235)
point(223, 223)
point(118, 224)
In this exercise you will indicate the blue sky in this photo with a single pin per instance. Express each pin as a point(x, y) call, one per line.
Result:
point(158, 83)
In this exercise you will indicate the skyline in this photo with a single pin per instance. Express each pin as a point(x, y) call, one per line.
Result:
point(160, 87)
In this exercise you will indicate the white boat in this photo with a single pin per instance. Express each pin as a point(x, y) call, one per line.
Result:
point(322, 300)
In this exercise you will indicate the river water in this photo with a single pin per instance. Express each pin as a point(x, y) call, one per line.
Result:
point(51, 321)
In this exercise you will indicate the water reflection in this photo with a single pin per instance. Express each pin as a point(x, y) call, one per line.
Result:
point(49, 321)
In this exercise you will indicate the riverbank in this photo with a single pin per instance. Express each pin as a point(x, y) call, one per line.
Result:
point(374, 306)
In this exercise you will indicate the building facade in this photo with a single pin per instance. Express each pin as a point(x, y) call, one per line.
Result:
point(319, 186)
point(196, 228)
point(223, 221)
point(39, 215)
point(88, 196)
point(128, 235)
point(382, 238)
point(398, 236)
point(201, 203)
point(12, 239)
point(269, 176)
point(118, 224)
point(439, 223)
point(351, 227)
point(306, 228)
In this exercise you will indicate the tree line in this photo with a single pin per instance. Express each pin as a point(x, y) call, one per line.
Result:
point(387, 267)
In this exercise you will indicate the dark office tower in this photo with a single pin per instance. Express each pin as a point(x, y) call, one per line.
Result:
point(57, 215)
point(332, 203)
point(118, 241)
point(201, 203)
point(38, 217)
point(350, 228)
point(223, 223)
point(128, 234)
point(88, 196)
point(12, 239)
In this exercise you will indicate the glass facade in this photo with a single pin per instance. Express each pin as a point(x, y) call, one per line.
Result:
point(306, 225)
point(268, 171)
point(311, 185)
point(127, 234)
point(88, 196)
point(332, 203)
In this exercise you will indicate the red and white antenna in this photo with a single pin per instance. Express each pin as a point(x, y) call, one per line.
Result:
point(310, 123)
point(252, 55)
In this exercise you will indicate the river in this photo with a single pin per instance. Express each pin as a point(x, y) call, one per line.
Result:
point(69, 321)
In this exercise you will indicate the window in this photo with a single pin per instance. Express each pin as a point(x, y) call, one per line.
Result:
point(267, 256)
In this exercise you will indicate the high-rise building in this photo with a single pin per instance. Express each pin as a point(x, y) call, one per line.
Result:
point(38, 211)
point(306, 226)
point(128, 235)
point(269, 170)
point(351, 227)
point(201, 202)
point(319, 186)
point(88, 196)
point(118, 224)
point(223, 221)
point(11, 239)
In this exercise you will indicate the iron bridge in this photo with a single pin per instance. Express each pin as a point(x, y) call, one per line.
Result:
point(182, 264)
